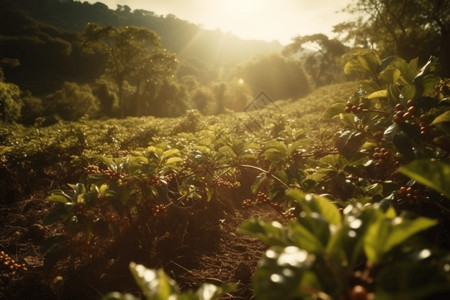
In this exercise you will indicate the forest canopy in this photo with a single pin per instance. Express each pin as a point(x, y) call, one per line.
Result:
point(137, 63)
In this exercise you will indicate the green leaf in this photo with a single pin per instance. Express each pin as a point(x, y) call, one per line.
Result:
point(390, 75)
point(408, 92)
point(404, 144)
point(387, 231)
point(271, 233)
point(171, 152)
point(405, 280)
point(155, 284)
point(57, 198)
point(433, 174)
point(286, 273)
point(445, 117)
point(173, 160)
point(394, 94)
point(274, 155)
point(347, 119)
point(349, 142)
point(259, 179)
point(304, 238)
point(55, 215)
point(402, 229)
point(314, 203)
point(334, 110)
point(208, 291)
point(378, 94)
point(120, 296)
point(376, 235)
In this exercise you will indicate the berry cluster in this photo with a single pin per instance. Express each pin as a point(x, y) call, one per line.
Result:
point(120, 153)
point(159, 210)
point(359, 292)
point(153, 181)
point(9, 263)
point(262, 198)
point(412, 196)
point(381, 156)
point(351, 108)
point(157, 181)
point(403, 115)
point(424, 126)
point(168, 177)
point(228, 184)
point(108, 173)
point(247, 203)
point(93, 169)
point(353, 178)
point(288, 214)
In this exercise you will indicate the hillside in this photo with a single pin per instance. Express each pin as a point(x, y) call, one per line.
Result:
point(342, 194)
point(187, 40)
point(203, 246)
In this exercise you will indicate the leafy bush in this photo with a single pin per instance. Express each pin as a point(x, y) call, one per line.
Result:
point(71, 102)
point(156, 285)
point(10, 102)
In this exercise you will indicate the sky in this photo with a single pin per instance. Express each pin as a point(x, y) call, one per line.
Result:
point(267, 20)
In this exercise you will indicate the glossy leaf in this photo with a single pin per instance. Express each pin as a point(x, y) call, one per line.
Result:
point(334, 110)
point(285, 273)
point(318, 204)
point(271, 233)
point(350, 142)
point(155, 284)
point(445, 117)
point(434, 174)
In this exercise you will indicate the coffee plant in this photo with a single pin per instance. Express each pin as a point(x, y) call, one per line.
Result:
point(364, 199)
point(156, 285)
point(363, 252)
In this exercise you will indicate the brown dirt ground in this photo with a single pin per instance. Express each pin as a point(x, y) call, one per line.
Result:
point(193, 247)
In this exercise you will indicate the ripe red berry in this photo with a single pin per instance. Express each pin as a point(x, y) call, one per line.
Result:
point(410, 103)
point(358, 292)
point(399, 107)
point(407, 116)
point(423, 118)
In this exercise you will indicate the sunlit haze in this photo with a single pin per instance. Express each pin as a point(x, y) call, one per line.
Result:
point(250, 19)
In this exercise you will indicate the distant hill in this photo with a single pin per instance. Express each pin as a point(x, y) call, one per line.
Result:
point(189, 41)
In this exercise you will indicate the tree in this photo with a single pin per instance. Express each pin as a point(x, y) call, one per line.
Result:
point(32, 109)
point(171, 100)
point(72, 102)
point(408, 28)
point(276, 75)
point(134, 56)
point(10, 102)
point(323, 63)
point(203, 100)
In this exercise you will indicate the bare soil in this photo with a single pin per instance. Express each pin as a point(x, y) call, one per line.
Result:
point(193, 247)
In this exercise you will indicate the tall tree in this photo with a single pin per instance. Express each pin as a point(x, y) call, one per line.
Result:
point(322, 63)
point(279, 77)
point(408, 28)
point(135, 56)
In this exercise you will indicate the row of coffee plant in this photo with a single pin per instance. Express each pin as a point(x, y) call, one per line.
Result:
point(364, 188)
point(369, 218)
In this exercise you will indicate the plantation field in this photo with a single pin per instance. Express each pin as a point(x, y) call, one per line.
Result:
point(342, 194)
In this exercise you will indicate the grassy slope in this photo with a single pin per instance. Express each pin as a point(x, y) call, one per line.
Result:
point(49, 163)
